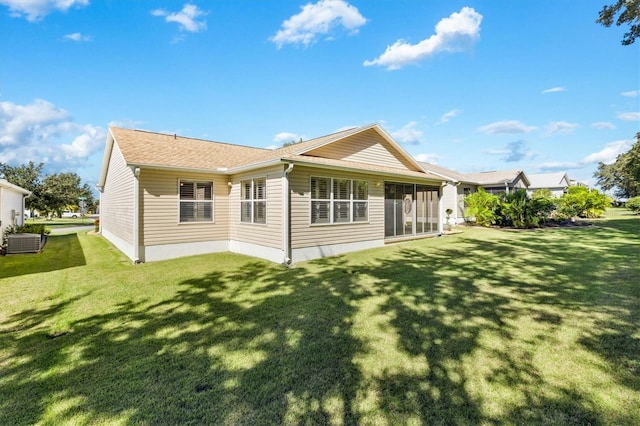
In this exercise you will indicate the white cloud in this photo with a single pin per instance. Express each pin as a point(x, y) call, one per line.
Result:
point(284, 137)
point(629, 116)
point(77, 37)
point(508, 127)
point(187, 18)
point(428, 158)
point(318, 19)
point(609, 153)
point(449, 115)
point(452, 34)
point(408, 134)
point(603, 125)
point(35, 10)
point(561, 128)
point(631, 94)
point(557, 166)
point(554, 90)
point(40, 132)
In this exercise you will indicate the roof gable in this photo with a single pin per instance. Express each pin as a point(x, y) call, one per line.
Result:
point(549, 180)
point(368, 144)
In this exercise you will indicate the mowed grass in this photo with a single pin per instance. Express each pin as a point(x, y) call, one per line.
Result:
point(483, 327)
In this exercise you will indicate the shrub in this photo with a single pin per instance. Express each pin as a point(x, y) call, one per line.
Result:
point(633, 204)
point(33, 228)
point(582, 202)
point(482, 207)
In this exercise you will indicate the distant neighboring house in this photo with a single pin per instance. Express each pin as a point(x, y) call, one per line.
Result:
point(462, 185)
point(166, 196)
point(557, 183)
point(11, 205)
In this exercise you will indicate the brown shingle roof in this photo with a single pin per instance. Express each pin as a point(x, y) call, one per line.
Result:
point(144, 148)
point(156, 149)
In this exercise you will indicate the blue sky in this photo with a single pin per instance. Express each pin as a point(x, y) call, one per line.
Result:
point(469, 85)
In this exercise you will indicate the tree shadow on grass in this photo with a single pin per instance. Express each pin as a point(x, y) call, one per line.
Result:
point(60, 252)
point(387, 340)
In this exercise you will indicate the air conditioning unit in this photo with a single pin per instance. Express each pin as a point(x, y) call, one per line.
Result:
point(23, 243)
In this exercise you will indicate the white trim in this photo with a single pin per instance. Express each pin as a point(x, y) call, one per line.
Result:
point(174, 251)
point(317, 252)
point(263, 252)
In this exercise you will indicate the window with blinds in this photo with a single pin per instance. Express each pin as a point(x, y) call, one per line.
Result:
point(196, 201)
point(253, 200)
point(339, 200)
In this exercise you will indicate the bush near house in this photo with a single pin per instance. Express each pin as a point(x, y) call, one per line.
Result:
point(519, 210)
point(481, 208)
point(579, 201)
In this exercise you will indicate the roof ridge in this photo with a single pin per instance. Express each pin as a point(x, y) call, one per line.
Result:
point(175, 135)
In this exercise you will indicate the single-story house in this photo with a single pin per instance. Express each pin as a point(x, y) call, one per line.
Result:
point(164, 196)
point(461, 185)
point(557, 183)
point(11, 205)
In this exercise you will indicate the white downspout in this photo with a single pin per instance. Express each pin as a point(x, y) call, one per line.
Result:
point(286, 215)
point(136, 215)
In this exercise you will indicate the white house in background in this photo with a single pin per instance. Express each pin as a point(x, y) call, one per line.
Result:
point(11, 205)
point(557, 183)
point(461, 185)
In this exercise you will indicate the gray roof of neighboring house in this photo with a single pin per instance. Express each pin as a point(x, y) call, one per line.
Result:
point(482, 178)
point(497, 177)
point(549, 180)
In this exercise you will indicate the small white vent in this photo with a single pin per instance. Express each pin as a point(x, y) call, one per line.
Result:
point(23, 243)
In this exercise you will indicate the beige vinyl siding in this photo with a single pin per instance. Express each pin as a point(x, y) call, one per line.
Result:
point(303, 234)
point(117, 206)
point(267, 234)
point(366, 147)
point(159, 209)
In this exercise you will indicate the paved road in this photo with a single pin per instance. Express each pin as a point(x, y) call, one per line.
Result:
point(59, 230)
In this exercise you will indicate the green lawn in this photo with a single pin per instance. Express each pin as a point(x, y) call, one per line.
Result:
point(483, 327)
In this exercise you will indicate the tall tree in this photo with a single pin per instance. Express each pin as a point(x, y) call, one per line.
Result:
point(61, 190)
point(27, 176)
point(628, 12)
point(623, 176)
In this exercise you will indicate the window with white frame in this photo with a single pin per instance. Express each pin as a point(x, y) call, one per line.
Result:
point(196, 201)
point(339, 200)
point(253, 200)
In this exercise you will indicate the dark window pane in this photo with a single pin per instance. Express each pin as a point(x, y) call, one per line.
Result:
point(319, 212)
point(360, 211)
point(341, 211)
point(245, 211)
point(260, 212)
point(186, 191)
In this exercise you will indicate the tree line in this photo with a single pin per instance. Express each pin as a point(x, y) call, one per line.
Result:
point(51, 193)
